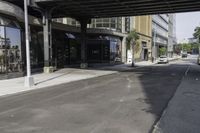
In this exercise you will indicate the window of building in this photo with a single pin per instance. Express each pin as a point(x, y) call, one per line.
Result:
point(10, 46)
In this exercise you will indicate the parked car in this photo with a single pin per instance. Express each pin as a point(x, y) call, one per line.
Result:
point(184, 55)
point(198, 60)
point(163, 59)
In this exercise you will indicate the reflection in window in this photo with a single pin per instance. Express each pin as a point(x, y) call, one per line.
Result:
point(13, 49)
point(37, 48)
point(2, 50)
point(115, 50)
point(10, 46)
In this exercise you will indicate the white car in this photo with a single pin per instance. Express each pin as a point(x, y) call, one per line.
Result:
point(163, 59)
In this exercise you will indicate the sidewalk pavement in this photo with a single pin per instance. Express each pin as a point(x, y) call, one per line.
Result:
point(182, 114)
point(128, 66)
point(66, 75)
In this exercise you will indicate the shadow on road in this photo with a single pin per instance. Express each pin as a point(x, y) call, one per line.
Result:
point(128, 101)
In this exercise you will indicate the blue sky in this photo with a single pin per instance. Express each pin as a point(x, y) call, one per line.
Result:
point(186, 23)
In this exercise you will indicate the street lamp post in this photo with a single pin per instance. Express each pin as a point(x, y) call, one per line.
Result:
point(29, 81)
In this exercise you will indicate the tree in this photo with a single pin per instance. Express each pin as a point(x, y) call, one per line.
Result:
point(197, 32)
point(162, 51)
point(131, 41)
point(197, 35)
point(186, 47)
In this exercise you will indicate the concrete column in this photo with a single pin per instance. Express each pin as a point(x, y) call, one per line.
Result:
point(123, 24)
point(48, 68)
point(124, 53)
point(83, 23)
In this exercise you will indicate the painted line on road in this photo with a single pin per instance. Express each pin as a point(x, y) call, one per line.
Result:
point(186, 72)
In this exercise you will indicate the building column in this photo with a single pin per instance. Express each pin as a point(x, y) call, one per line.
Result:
point(48, 68)
point(124, 53)
point(123, 24)
point(84, 22)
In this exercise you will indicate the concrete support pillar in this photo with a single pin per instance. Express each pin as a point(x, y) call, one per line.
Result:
point(48, 66)
point(123, 24)
point(84, 22)
point(124, 53)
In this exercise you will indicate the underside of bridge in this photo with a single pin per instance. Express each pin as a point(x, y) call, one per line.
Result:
point(112, 8)
point(84, 10)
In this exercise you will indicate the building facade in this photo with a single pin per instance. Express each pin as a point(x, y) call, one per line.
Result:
point(105, 41)
point(142, 25)
point(172, 41)
point(143, 47)
point(160, 30)
point(164, 34)
point(103, 46)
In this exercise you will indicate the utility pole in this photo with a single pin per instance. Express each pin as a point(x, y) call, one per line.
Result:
point(29, 81)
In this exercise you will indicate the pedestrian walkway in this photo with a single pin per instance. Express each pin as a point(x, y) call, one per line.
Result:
point(182, 113)
point(12, 86)
point(42, 80)
point(125, 67)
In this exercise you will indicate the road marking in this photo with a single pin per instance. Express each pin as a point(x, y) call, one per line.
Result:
point(186, 72)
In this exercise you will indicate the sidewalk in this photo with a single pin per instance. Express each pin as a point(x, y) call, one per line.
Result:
point(182, 114)
point(128, 66)
point(66, 75)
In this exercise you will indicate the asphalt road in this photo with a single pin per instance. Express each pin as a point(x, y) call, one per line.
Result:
point(126, 102)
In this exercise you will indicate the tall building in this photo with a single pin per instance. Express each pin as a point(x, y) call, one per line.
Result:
point(164, 33)
point(143, 47)
point(160, 30)
point(171, 34)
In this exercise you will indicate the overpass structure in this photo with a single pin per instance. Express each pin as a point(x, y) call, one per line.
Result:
point(111, 8)
point(83, 11)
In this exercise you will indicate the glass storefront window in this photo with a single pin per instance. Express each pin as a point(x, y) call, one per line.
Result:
point(108, 23)
point(10, 46)
point(13, 45)
point(37, 48)
point(115, 50)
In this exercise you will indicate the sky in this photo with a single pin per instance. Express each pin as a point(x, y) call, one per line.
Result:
point(186, 23)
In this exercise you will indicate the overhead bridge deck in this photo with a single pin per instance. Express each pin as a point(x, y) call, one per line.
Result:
point(112, 8)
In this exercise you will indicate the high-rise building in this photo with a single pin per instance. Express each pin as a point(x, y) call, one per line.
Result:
point(164, 34)
point(160, 30)
point(172, 34)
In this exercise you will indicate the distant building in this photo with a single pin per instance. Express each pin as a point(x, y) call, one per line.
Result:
point(192, 40)
point(172, 41)
point(183, 41)
point(143, 26)
point(160, 28)
point(164, 33)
